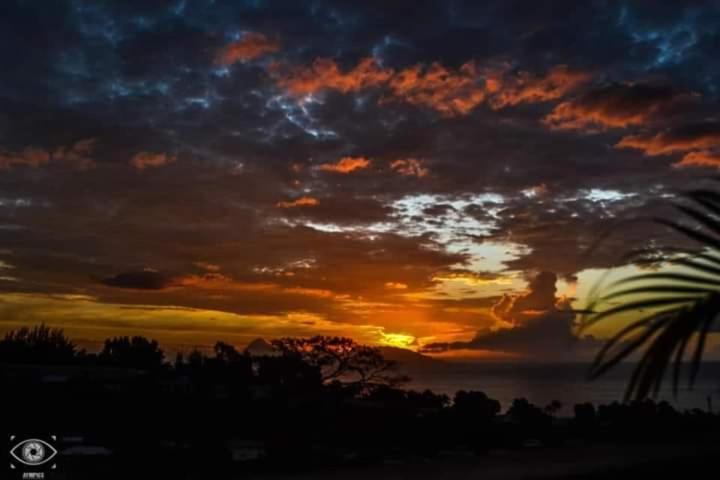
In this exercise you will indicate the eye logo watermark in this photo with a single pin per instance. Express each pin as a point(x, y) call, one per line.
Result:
point(32, 456)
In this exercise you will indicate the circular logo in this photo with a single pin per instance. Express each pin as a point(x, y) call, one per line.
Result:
point(33, 452)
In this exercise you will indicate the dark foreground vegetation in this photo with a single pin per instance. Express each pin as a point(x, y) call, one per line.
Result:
point(307, 404)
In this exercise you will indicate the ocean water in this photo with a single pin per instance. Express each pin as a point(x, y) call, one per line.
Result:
point(568, 383)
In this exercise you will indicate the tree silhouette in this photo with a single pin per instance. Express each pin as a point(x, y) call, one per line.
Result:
point(230, 363)
point(40, 344)
point(553, 407)
point(585, 414)
point(288, 372)
point(475, 405)
point(341, 359)
point(196, 359)
point(135, 352)
point(674, 309)
point(228, 354)
point(528, 416)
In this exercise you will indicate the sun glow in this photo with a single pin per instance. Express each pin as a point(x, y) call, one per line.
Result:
point(398, 340)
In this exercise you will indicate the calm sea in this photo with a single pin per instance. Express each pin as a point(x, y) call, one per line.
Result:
point(568, 383)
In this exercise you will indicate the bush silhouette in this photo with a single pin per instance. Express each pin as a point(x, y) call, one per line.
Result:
point(40, 345)
point(135, 352)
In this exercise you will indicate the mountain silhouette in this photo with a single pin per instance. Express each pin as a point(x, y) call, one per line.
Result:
point(260, 348)
point(409, 358)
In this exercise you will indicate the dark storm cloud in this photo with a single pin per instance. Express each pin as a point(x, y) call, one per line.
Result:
point(541, 326)
point(540, 297)
point(548, 336)
point(142, 280)
point(570, 232)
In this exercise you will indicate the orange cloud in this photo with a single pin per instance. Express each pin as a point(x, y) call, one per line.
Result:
point(703, 158)
point(309, 292)
point(299, 202)
point(409, 167)
point(526, 88)
point(76, 155)
point(705, 136)
point(218, 281)
point(396, 286)
point(345, 165)
point(210, 267)
point(573, 116)
point(29, 156)
point(143, 160)
point(471, 278)
point(325, 74)
point(249, 47)
point(617, 105)
point(450, 92)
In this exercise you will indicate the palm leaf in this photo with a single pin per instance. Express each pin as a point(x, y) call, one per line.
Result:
point(674, 309)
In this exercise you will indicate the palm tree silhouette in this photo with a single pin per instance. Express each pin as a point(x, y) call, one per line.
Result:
point(673, 308)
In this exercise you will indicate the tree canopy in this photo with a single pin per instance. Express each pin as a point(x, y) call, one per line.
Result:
point(342, 360)
point(39, 344)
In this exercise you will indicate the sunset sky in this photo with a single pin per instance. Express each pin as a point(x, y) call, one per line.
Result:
point(430, 175)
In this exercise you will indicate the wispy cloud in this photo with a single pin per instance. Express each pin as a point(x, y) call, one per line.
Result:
point(524, 87)
point(299, 202)
point(703, 158)
point(616, 106)
point(696, 136)
point(252, 45)
point(410, 167)
point(326, 74)
point(76, 156)
point(144, 160)
point(345, 165)
point(448, 91)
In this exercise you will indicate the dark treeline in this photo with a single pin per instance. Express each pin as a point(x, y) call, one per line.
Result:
point(308, 403)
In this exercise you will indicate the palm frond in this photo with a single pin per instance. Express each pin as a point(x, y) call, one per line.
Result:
point(672, 310)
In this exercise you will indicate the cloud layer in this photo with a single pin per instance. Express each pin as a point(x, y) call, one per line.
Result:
point(334, 163)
